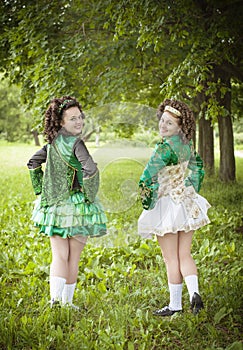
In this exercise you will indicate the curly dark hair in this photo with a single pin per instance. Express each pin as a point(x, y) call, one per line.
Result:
point(54, 115)
point(186, 120)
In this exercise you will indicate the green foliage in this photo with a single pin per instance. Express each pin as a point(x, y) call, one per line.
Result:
point(15, 124)
point(203, 36)
point(66, 49)
point(122, 119)
point(103, 51)
point(115, 51)
point(139, 51)
point(238, 138)
point(119, 285)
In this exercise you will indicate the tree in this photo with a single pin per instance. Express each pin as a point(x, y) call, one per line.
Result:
point(128, 51)
point(210, 34)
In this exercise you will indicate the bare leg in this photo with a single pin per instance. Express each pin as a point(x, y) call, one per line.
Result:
point(58, 268)
point(187, 264)
point(60, 253)
point(76, 246)
point(75, 249)
point(189, 270)
point(64, 267)
point(169, 245)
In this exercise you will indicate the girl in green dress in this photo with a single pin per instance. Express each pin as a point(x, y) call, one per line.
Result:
point(173, 209)
point(67, 209)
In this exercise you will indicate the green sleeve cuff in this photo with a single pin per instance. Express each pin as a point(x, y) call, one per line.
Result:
point(36, 176)
point(91, 186)
point(148, 194)
point(196, 176)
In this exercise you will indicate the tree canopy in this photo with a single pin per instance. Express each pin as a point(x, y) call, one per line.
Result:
point(134, 51)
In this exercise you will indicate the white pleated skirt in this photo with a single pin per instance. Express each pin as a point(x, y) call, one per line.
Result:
point(170, 217)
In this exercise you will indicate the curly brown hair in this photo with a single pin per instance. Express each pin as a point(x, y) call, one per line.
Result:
point(186, 120)
point(54, 115)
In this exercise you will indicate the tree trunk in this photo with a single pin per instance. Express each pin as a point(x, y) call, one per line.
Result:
point(206, 144)
point(206, 137)
point(226, 137)
point(36, 138)
point(226, 143)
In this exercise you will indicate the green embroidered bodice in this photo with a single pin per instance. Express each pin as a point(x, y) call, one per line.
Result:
point(169, 153)
point(61, 168)
point(65, 172)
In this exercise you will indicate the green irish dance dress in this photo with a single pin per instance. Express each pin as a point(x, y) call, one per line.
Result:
point(169, 189)
point(68, 205)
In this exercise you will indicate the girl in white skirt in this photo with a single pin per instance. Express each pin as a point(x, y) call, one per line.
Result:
point(173, 209)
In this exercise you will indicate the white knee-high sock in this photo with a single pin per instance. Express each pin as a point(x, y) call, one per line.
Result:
point(192, 285)
point(175, 296)
point(56, 287)
point(67, 294)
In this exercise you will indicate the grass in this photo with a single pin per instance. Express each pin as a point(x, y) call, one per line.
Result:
point(122, 278)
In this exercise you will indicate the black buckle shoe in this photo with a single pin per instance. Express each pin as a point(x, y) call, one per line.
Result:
point(196, 303)
point(165, 311)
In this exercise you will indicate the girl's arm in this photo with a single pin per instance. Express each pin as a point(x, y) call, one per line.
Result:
point(89, 167)
point(35, 169)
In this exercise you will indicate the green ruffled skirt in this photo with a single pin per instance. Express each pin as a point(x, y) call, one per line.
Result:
point(73, 218)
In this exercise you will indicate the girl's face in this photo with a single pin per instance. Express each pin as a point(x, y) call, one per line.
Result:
point(168, 125)
point(72, 120)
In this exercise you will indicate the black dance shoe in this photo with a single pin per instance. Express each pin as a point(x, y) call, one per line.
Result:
point(196, 303)
point(165, 311)
point(55, 304)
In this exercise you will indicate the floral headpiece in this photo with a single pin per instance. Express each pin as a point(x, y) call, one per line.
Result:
point(173, 110)
point(65, 102)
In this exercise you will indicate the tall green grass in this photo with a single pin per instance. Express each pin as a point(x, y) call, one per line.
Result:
point(122, 278)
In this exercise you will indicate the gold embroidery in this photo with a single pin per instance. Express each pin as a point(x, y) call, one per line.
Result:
point(171, 182)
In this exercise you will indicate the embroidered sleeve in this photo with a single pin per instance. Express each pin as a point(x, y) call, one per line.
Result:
point(35, 169)
point(91, 186)
point(148, 184)
point(159, 159)
point(36, 176)
point(196, 175)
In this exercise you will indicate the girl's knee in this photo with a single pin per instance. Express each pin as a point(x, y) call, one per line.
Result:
point(59, 259)
point(185, 256)
point(171, 260)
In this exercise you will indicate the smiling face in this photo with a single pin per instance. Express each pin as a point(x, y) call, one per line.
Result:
point(168, 125)
point(72, 120)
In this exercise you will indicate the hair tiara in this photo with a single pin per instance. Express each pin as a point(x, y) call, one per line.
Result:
point(173, 110)
point(62, 105)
